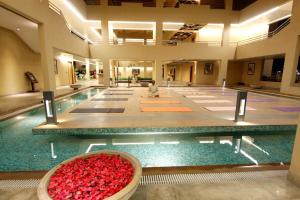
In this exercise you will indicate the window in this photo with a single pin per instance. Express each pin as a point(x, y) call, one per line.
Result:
point(273, 69)
point(298, 72)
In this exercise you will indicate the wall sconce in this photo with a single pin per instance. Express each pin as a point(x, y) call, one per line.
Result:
point(241, 102)
point(49, 105)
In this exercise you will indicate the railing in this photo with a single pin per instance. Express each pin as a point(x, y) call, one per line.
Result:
point(172, 42)
point(208, 43)
point(55, 9)
point(264, 36)
point(144, 42)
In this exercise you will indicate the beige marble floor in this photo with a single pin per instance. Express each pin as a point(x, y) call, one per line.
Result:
point(262, 188)
point(264, 114)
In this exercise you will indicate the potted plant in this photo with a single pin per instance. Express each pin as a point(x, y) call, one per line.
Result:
point(106, 174)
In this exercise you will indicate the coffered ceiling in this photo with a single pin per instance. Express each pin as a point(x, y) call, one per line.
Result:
point(214, 4)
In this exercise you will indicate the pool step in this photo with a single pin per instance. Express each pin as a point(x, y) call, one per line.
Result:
point(170, 179)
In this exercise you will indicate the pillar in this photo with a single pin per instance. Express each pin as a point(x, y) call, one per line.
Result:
point(47, 59)
point(87, 69)
point(166, 72)
point(106, 72)
point(228, 4)
point(222, 71)
point(290, 64)
point(158, 32)
point(104, 31)
point(158, 72)
point(294, 171)
point(104, 3)
point(97, 68)
point(195, 79)
point(160, 3)
point(226, 34)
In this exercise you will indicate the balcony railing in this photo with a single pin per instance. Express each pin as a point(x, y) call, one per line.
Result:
point(208, 43)
point(264, 36)
point(55, 9)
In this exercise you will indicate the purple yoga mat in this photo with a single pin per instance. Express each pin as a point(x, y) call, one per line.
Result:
point(287, 109)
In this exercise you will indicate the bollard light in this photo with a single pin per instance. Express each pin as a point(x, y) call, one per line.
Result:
point(224, 83)
point(49, 105)
point(241, 103)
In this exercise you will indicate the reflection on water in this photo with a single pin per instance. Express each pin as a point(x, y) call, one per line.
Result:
point(22, 151)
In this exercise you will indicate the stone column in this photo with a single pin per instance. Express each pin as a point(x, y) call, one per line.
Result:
point(158, 72)
point(97, 67)
point(226, 34)
point(228, 4)
point(104, 31)
point(166, 72)
point(158, 33)
point(106, 72)
point(87, 69)
point(195, 80)
point(47, 59)
point(294, 171)
point(160, 3)
point(290, 64)
point(222, 71)
point(104, 3)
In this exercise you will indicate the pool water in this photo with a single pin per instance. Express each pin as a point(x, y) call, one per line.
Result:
point(23, 151)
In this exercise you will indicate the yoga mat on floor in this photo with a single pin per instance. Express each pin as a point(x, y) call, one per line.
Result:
point(192, 93)
point(199, 96)
point(262, 100)
point(166, 109)
point(160, 102)
point(212, 101)
point(98, 110)
point(225, 108)
point(117, 94)
point(110, 99)
point(287, 109)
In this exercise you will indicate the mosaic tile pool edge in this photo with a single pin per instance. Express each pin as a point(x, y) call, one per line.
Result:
point(163, 130)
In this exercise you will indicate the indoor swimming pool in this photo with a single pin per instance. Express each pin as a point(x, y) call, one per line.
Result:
point(21, 150)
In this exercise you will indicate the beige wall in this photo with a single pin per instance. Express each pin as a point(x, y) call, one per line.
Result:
point(183, 72)
point(16, 58)
point(238, 72)
point(234, 72)
point(207, 79)
point(53, 33)
point(64, 76)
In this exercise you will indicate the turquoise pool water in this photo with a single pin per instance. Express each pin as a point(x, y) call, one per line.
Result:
point(23, 151)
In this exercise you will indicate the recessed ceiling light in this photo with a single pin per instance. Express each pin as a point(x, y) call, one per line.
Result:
point(18, 29)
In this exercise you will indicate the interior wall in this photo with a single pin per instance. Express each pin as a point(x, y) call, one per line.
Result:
point(16, 58)
point(64, 75)
point(207, 79)
point(198, 76)
point(238, 72)
point(234, 73)
point(125, 68)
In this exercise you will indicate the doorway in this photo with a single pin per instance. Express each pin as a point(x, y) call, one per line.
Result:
point(191, 74)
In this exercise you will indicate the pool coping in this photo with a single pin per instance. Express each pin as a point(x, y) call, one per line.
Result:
point(38, 174)
point(160, 130)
